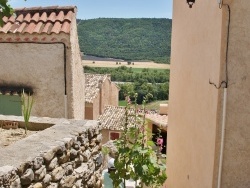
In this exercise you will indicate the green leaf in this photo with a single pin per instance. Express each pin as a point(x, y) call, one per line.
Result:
point(144, 167)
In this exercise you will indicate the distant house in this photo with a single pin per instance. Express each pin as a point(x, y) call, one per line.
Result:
point(99, 92)
point(112, 123)
point(40, 55)
point(209, 99)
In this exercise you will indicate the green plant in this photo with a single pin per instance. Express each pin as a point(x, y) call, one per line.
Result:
point(5, 10)
point(105, 152)
point(136, 159)
point(27, 103)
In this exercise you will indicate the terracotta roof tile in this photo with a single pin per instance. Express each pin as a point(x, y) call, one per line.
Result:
point(53, 19)
point(65, 27)
point(43, 17)
point(21, 28)
point(160, 120)
point(27, 18)
point(14, 27)
point(5, 19)
point(6, 27)
point(12, 19)
point(113, 118)
point(30, 28)
point(14, 90)
point(47, 28)
point(36, 17)
point(69, 16)
point(92, 82)
point(19, 18)
point(60, 16)
point(38, 28)
point(57, 27)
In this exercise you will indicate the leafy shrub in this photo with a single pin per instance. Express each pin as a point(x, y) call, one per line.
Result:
point(136, 158)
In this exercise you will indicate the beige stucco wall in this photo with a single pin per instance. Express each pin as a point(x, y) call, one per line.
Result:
point(41, 66)
point(34, 65)
point(193, 102)
point(236, 163)
point(89, 111)
point(105, 135)
point(105, 95)
point(114, 96)
point(92, 109)
point(96, 107)
point(76, 77)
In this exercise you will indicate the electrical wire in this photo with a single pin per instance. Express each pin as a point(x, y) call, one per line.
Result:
point(227, 46)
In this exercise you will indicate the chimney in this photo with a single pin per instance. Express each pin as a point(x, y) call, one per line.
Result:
point(163, 109)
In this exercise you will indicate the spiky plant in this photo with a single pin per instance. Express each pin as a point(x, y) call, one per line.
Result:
point(27, 103)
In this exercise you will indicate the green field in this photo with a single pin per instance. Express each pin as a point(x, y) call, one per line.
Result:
point(122, 103)
point(150, 106)
point(140, 70)
point(155, 105)
point(135, 70)
point(129, 74)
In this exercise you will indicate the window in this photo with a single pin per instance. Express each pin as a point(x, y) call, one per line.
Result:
point(114, 135)
point(10, 105)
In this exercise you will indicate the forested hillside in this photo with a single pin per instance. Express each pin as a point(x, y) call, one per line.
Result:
point(128, 39)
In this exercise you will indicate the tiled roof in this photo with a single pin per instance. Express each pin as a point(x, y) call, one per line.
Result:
point(113, 118)
point(92, 82)
point(48, 20)
point(10, 93)
point(160, 120)
point(15, 90)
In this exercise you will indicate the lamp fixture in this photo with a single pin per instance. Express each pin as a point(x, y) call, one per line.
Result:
point(190, 3)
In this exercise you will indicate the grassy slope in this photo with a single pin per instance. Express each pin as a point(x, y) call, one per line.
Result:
point(155, 105)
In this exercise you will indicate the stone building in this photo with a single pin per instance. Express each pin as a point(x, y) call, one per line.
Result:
point(40, 55)
point(112, 123)
point(99, 92)
point(209, 114)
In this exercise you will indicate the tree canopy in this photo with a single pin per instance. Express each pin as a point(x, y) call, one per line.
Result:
point(141, 82)
point(129, 39)
point(5, 10)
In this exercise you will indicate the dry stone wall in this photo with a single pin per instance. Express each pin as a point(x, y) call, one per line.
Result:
point(66, 155)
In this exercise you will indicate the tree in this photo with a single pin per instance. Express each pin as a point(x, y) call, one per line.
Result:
point(5, 10)
point(145, 39)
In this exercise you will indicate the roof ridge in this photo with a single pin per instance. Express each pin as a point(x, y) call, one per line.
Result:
point(50, 19)
point(50, 8)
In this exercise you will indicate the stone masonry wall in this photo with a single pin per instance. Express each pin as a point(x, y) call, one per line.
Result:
point(66, 155)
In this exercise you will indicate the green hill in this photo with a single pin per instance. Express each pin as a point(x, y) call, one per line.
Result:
point(128, 39)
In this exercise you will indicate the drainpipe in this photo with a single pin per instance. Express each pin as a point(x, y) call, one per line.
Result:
point(65, 77)
point(223, 126)
point(222, 136)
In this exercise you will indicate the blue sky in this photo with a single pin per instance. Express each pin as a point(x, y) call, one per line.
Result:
point(88, 9)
